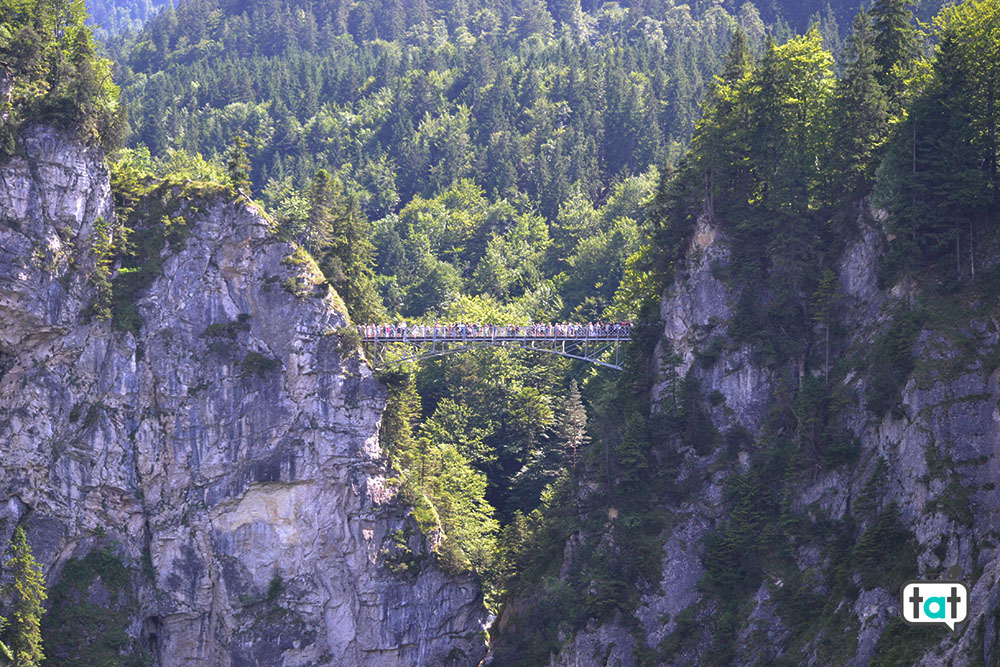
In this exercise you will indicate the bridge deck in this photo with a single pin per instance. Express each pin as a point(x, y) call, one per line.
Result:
point(598, 347)
point(406, 338)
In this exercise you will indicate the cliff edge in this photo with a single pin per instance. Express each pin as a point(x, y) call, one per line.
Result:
point(210, 491)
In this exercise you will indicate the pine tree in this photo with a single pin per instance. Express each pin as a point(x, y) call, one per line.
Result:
point(238, 164)
point(938, 178)
point(829, 28)
point(955, 159)
point(862, 115)
point(572, 429)
point(738, 60)
point(24, 636)
point(823, 301)
point(789, 111)
point(5, 655)
point(402, 411)
point(339, 236)
point(318, 234)
point(632, 450)
point(720, 141)
point(897, 44)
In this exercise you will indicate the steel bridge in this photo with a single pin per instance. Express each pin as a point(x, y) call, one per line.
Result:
point(600, 345)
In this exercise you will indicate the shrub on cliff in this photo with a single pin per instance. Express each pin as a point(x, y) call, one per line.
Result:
point(50, 72)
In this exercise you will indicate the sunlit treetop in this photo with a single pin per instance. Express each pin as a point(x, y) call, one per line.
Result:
point(49, 72)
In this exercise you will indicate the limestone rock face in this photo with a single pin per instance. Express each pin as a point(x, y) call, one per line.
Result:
point(696, 310)
point(228, 455)
point(941, 452)
point(48, 204)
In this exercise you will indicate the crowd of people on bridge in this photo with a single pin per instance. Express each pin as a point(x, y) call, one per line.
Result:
point(491, 331)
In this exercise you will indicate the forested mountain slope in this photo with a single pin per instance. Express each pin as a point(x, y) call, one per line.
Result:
point(404, 99)
point(814, 420)
point(110, 18)
point(801, 222)
point(503, 153)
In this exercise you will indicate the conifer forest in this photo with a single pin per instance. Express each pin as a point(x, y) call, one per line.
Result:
point(771, 223)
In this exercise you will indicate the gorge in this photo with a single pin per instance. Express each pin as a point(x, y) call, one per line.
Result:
point(214, 464)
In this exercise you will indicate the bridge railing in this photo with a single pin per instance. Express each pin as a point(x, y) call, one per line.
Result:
point(595, 343)
point(494, 333)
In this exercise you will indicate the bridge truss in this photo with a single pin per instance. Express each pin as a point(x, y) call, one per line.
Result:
point(600, 349)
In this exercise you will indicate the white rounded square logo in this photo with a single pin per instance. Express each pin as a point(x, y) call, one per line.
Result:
point(935, 602)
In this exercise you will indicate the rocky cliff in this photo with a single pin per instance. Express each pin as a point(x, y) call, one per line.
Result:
point(211, 490)
point(931, 460)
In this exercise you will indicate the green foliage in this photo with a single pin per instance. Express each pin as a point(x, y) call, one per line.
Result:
point(437, 248)
point(897, 43)
point(823, 305)
point(821, 442)
point(778, 162)
point(258, 364)
point(348, 340)
point(506, 402)
point(533, 545)
point(155, 228)
point(809, 410)
point(79, 631)
point(757, 542)
point(405, 102)
point(639, 291)
point(457, 150)
point(904, 644)
point(511, 262)
point(757, 168)
point(693, 420)
point(800, 599)
point(632, 450)
point(891, 362)
point(274, 589)
point(26, 590)
point(49, 72)
point(709, 353)
point(4, 651)
point(509, 157)
point(617, 547)
point(939, 179)
point(228, 330)
point(885, 554)
point(597, 267)
point(861, 112)
point(571, 425)
point(954, 502)
point(102, 249)
point(457, 492)
point(736, 553)
point(307, 275)
point(238, 164)
point(560, 606)
point(399, 557)
point(152, 207)
point(108, 18)
point(337, 234)
point(179, 165)
point(872, 493)
point(838, 643)
point(446, 492)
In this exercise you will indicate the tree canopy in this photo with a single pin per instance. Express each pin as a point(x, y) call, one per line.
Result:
point(50, 72)
point(26, 589)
